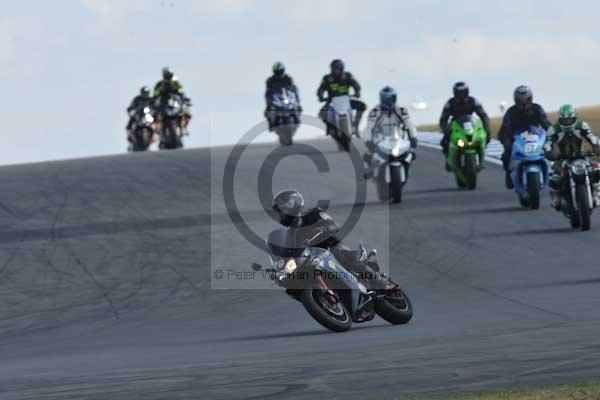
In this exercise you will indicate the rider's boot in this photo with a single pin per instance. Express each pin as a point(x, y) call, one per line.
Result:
point(508, 180)
point(367, 164)
point(357, 119)
point(554, 184)
point(555, 197)
point(445, 152)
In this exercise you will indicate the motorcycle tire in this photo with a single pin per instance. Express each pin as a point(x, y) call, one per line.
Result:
point(471, 171)
point(316, 309)
point(533, 190)
point(396, 184)
point(583, 205)
point(394, 307)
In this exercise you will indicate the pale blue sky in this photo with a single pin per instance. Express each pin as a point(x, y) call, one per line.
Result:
point(69, 68)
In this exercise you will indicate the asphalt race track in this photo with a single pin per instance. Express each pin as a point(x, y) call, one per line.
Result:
point(105, 286)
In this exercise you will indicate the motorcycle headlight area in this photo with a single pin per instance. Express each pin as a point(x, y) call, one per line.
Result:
point(579, 167)
point(461, 143)
point(282, 265)
point(396, 151)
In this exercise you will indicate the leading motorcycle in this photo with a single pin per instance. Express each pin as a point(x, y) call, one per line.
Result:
point(528, 167)
point(390, 164)
point(332, 295)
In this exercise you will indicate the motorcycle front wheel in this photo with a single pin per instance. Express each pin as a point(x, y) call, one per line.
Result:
point(333, 315)
point(471, 171)
point(344, 134)
point(285, 134)
point(394, 307)
point(583, 206)
point(533, 190)
point(396, 184)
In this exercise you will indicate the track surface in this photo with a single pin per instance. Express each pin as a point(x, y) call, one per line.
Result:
point(105, 288)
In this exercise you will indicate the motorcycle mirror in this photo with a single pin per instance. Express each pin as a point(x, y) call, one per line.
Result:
point(256, 267)
point(373, 253)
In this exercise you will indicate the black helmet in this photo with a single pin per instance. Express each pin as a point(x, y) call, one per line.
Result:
point(278, 69)
point(461, 91)
point(337, 67)
point(145, 91)
point(523, 97)
point(288, 205)
point(167, 73)
point(387, 98)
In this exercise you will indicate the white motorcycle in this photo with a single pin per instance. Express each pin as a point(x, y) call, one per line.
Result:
point(340, 121)
point(390, 164)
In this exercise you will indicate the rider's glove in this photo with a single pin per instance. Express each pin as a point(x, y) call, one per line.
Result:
point(414, 142)
point(321, 99)
point(370, 145)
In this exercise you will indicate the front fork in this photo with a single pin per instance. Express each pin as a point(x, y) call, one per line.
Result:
point(593, 198)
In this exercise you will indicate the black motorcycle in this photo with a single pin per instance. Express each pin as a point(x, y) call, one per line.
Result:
point(332, 295)
point(143, 130)
point(171, 115)
point(577, 190)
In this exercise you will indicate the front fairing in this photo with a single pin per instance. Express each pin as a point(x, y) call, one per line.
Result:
point(467, 136)
point(529, 146)
point(315, 262)
point(285, 100)
point(393, 149)
point(174, 106)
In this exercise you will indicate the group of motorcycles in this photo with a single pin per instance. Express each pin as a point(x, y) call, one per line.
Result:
point(166, 120)
point(392, 156)
point(286, 117)
point(336, 297)
point(529, 169)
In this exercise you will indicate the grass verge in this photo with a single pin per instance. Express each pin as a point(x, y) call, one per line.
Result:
point(580, 391)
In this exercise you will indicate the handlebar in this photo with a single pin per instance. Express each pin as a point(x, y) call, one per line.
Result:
point(580, 155)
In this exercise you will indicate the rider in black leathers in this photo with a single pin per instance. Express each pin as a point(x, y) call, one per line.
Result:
point(338, 83)
point(319, 230)
point(280, 79)
point(518, 118)
point(144, 99)
point(460, 105)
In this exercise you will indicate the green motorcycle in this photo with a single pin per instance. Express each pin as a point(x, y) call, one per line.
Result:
point(466, 153)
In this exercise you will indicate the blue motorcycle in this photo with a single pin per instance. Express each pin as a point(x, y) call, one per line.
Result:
point(528, 167)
